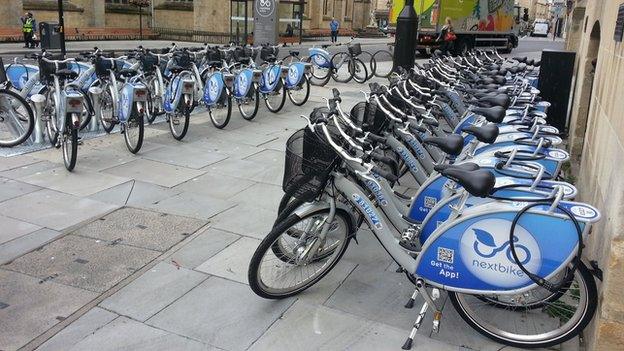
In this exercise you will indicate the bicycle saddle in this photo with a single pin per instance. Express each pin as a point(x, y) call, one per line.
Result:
point(213, 64)
point(270, 58)
point(451, 144)
point(293, 53)
point(485, 134)
point(501, 100)
point(176, 69)
point(494, 114)
point(479, 183)
point(66, 73)
point(466, 166)
point(127, 72)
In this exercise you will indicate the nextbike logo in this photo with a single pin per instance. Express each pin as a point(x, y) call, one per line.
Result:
point(486, 253)
point(409, 160)
point(293, 74)
point(419, 151)
point(265, 8)
point(368, 210)
point(213, 88)
point(375, 188)
point(243, 83)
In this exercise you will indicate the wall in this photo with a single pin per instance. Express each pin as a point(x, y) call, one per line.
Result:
point(11, 12)
point(602, 163)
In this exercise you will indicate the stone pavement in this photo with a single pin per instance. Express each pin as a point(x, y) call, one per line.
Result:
point(150, 252)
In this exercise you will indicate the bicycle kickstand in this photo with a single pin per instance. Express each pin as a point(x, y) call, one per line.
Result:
point(429, 301)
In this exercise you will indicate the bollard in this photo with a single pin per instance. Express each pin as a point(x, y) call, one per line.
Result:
point(38, 100)
point(95, 93)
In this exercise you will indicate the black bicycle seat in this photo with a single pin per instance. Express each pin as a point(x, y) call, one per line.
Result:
point(451, 144)
point(270, 58)
point(485, 134)
point(293, 53)
point(466, 166)
point(494, 114)
point(176, 69)
point(478, 183)
point(497, 100)
point(127, 72)
point(66, 73)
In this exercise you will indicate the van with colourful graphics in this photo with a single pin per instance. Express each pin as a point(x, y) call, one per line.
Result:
point(477, 23)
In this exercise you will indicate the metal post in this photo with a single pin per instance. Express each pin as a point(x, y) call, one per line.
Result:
point(301, 11)
point(246, 33)
point(140, 23)
point(405, 38)
point(61, 26)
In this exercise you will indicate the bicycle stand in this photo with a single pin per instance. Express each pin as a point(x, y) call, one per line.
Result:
point(429, 302)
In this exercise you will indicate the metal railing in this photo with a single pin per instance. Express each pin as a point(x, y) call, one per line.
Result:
point(192, 35)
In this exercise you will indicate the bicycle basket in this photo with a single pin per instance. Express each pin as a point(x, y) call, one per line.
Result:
point(103, 65)
point(240, 55)
point(47, 69)
point(355, 49)
point(3, 76)
point(149, 63)
point(183, 59)
point(268, 53)
point(213, 54)
point(367, 116)
point(309, 161)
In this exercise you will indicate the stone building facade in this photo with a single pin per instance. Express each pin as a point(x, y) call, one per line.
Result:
point(199, 15)
point(596, 142)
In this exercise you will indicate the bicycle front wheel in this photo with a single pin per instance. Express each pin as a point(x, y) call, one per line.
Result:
point(341, 67)
point(383, 63)
point(279, 269)
point(371, 64)
point(552, 324)
point(17, 119)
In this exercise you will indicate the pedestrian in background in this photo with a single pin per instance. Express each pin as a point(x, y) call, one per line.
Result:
point(334, 26)
point(447, 37)
point(28, 29)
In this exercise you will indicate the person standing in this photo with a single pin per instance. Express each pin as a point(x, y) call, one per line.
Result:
point(334, 26)
point(447, 37)
point(28, 29)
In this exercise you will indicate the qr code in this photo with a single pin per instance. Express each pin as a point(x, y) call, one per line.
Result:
point(430, 202)
point(446, 255)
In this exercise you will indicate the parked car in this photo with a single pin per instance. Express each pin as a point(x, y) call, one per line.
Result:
point(540, 28)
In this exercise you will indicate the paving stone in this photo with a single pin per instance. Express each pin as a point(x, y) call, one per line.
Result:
point(146, 229)
point(367, 250)
point(10, 188)
point(126, 334)
point(117, 195)
point(13, 228)
point(222, 313)
point(202, 247)
point(321, 291)
point(215, 185)
point(53, 209)
point(34, 307)
point(184, 156)
point(247, 138)
point(154, 172)
point(233, 150)
point(311, 327)
point(268, 157)
point(247, 220)
point(80, 182)
point(26, 243)
point(374, 293)
point(20, 172)
point(135, 193)
point(236, 168)
point(84, 326)
point(265, 196)
point(85, 263)
point(233, 261)
point(7, 163)
point(272, 175)
point(192, 205)
point(97, 160)
point(153, 291)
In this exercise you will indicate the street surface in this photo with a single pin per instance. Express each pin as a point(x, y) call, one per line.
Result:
point(150, 251)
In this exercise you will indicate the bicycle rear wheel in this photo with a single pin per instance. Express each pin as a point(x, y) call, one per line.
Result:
point(69, 143)
point(552, 324)
point(383, 63)
point(358, 70)
point(179, 121)
point(319, 75)
point(133, 132)
point(249, 105)
point(299, 95)
point(221, 112)
point(275, 100)
point(341, 67)
point(371, 64)
point(107, 108)
point(17, 119)
point(275, 272)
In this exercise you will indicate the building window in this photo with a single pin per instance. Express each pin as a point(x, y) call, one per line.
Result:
point(326, 5)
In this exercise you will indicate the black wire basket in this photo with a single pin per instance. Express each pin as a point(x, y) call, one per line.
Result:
point(149, 62)
point(103, 65)
point(309, 161)
point(355, 49)
point(367, 116)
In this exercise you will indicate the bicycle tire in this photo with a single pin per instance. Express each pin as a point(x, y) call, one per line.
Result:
point(267, 243)
point(253, 91)
point(70, 152)
point(317, 78)
point(366, 56)
point(31, 120)
point(51, 124)
point(228, 101)
point(185, 114)
point(281, 88)
point(355, 63)
point(341, 60)
point(108, 126)
point(588, 313)
point(305, 85)
point(138, 117)
point(381, 56)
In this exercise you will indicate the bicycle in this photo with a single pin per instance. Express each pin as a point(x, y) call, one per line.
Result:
point(17, 120)
point(347, 66)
